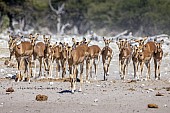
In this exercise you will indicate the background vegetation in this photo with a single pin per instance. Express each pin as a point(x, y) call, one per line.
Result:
point(143, 17)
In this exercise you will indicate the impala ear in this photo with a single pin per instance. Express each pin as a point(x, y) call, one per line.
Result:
point(88, 42)
point(162, 41)
point(10, 37)
point(155, 39)
point(137, 40)
point(117, 43)
point(145, 38)
point(44, 36)
point(73, 40)
point(104, 39)
point(54, 45)
point(30, 36)
point(37, 36)
point(60, 48)
point(84, 39)
point(66, 44)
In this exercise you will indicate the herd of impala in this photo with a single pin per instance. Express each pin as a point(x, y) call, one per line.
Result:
point(72, 56)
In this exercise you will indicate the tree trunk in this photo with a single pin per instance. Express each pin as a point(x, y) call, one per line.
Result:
point(75, 30)
point(10, 21)
point(58, 23)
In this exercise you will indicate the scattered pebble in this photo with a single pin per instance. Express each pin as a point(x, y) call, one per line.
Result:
point(94, 104)
point(159, 94)
point(41, 97)
point(96, 100)
point(165, 105)
point(10, 90)
point(51, 83)
point(152, 106)
point(151, 90)
point(98, 85)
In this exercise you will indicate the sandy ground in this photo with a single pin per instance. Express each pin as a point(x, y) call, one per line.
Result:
point(112, 96)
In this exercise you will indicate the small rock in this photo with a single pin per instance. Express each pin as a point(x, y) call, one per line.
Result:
point(152, 106)
point(159, 94)
point(150, 90)
point(98, 85)
point(167, 88)
point(41, 97)
point(96, 100)
point(165, 105)
point(131, 89)
point(143, 84)
point(2, 70)
point(51, 83)
point(94, 104)
point(131, 81)
point(10, 90)
point(9, 75)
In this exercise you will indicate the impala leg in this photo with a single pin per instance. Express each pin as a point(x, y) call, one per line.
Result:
point(134, 67)
point(70, 70)
point(90, 66)
point(51, 69)
point(141, 69)
point(40, 68)
point(34, 67)
point(57, 69)
point(159, 75)
point(104, 70)
point(30, 69)
point(26, 62)
point(72, 82)
point(155, 62)
point(45, 64)
point(87, 69)
point(23, 62)
point(148, 67)
point(63, 68)
point(137, 70)
point(18, 72)
point(126, 68)
point(95, 68)
point(108, 64)
point(75, 77)
point(81, 76)
point(120, 68)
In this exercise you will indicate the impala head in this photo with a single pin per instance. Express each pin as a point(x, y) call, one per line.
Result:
point(57, 49)
point(141, 55)
point(141, 42)
point(11, 38)
point(69, 50)
point(159, 46)
point(107, 41)
point(64, 50)
point(47, 40)
point(122, 44)
point(75, 44)
point(33, 39)
point(14, 43)
point(136, 50)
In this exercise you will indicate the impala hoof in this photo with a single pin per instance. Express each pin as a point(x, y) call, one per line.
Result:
point(122, 78)
point(72, 91)
point(87, 81)
point(156, 79)
point(80, 90)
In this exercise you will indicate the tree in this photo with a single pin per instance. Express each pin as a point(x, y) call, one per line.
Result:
point(59, 12)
